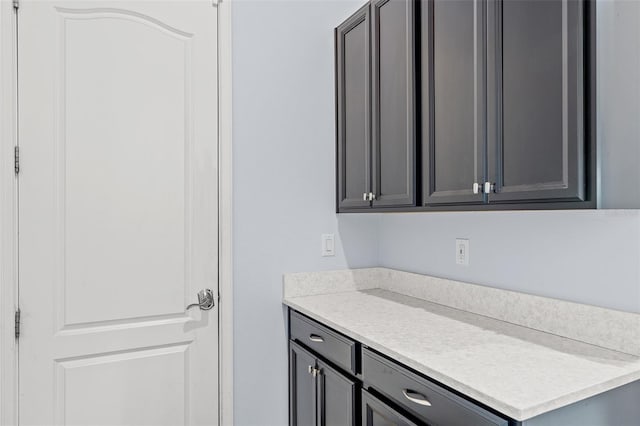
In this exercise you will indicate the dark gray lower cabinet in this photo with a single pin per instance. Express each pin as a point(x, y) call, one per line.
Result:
point(377, 413)
point(302, 387)
point(319, 395)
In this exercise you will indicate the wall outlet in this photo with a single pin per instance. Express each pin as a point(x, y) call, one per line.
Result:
point(328, 245)
point(462, 251)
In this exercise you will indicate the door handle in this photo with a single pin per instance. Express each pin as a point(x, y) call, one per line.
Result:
point(205, 300)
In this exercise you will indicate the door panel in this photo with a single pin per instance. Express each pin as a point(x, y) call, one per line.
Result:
point(302, 387)
point(118, 212)
point(393, 102)
point(536, 125)
point(353, 110)
point(453, 100)
point(337, 398)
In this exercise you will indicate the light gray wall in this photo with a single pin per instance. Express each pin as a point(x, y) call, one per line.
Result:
point(283, 129)
point(284, 190)
point(618, 105)
point(589, 257)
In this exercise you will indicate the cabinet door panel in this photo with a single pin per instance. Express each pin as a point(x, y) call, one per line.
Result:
point(377, 413)
point(393, 106)
point(353, 110)
point(337, 398)
point(302, 387)
point(453, 100)
point(536, 107)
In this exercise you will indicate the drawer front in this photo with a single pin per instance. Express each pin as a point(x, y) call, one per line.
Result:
point(424, 399)
point(325, 342)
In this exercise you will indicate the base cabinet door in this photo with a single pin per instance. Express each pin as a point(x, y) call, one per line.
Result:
point(319, 395)
point(336, 398)
point(302, 387)
point(377, 413)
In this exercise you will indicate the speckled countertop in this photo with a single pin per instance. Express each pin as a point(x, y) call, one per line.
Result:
point(516, 370)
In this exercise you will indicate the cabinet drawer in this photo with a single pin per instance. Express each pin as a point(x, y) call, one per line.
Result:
point(325, 342)
point(423, 398)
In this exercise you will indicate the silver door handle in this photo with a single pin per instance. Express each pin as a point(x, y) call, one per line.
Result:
point(205, 300)
point(416, 397)
point(316, 338)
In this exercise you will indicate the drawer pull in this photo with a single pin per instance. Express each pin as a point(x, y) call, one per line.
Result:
point(316, 338)
point(416, 397)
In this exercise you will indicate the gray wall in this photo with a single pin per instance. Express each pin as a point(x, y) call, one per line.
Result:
point(618, 44)
point(284, 190)
point(284, 194)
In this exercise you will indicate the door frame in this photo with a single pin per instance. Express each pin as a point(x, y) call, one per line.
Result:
point(8, 215)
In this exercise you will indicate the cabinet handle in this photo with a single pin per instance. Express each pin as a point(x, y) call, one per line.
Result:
point(365, 196)
point(489, 187)
point(416, 397)
point(316, 338)
point(372, 196)
point(476, 187)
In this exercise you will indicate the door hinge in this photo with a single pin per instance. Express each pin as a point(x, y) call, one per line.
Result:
point(16, 4)
point(17, 323)
point(16, 159)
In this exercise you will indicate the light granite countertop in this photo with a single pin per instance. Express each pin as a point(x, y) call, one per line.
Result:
point(518, 371)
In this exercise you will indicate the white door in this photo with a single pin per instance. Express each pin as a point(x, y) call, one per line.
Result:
point(117, 212)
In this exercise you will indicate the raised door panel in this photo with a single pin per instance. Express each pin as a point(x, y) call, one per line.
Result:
point(537, 103)
point(118, 212)
point(337, 398)
point(377, 413)
point(393, 102)
point(302, 387)
point(353, 111)
point(453, 100)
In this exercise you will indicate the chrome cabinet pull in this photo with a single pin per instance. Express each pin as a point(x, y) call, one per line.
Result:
point(205, 300)
point(416, 397)
point(489, 188)
point(316, 338)
point(476, 188)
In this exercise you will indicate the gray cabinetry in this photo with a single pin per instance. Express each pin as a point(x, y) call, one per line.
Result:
point(375, 106)
point(506, 93)
point(453, 100)
point(393, 102)
point(377, 413)
point(537, 100)
point(302, 387)
point(353, 111)
point(319, 395)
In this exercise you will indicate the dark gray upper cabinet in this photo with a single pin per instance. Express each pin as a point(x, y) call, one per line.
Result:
point(353, 111)
point(302, 387)
point(500, 95)
point(393, 102)
point(376, 105)
point(536, 125)
point(453, 100)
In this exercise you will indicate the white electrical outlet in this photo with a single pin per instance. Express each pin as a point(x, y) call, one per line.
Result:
point(462, 251)
point(328, 245)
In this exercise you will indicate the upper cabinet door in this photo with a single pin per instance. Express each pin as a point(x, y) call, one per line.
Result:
point(536, 108)
point(453, 100)
point(393, 102)
point(353, 86)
